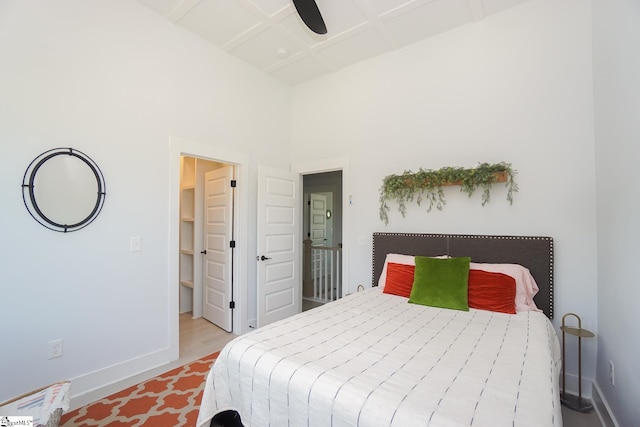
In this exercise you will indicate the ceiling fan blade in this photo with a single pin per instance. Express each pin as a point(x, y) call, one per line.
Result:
point(310, 14)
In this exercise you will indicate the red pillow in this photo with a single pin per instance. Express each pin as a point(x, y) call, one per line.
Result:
point(399, 279)
point(492, 291)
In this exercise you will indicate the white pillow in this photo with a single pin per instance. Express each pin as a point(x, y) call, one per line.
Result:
point(398, 259)
point(395, 258)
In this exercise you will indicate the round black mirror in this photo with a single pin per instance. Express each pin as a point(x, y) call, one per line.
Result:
point(63, 189)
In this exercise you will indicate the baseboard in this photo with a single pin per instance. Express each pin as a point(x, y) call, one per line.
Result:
point(572, 385)
point(96, 385)
point(607, 419)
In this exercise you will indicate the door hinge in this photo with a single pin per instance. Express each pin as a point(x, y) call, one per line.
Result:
point(232, 244)
point(233, 183)
point(232, 304)
point(309, 202)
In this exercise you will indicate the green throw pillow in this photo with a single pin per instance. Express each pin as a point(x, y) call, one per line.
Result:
point(441, 282)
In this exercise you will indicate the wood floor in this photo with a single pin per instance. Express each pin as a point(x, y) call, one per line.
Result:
point(199, 337)
point(308, 305)
point(576, 419)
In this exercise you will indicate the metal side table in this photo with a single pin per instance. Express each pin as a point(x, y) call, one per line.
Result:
point(569, 400)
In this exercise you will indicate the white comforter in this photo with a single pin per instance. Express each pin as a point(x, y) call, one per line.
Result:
point(372, 359)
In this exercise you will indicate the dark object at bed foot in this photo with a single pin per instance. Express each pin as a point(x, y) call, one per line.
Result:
point(226, 419)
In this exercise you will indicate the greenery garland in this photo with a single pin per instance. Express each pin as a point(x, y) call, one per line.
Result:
point(429, 184)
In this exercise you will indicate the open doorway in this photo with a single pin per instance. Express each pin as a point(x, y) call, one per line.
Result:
point(206, 236)
point(322, 230)
point(206, 239)
point(179, 148)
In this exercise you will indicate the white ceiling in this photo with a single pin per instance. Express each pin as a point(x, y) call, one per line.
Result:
point(269, 34)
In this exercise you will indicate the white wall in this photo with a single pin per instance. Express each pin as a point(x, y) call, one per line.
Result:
point(617, 99)
point(516, 87)
point(114, 80)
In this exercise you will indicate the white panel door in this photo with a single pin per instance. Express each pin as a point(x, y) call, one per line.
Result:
point(317, 232)
point(278, 241)
point(318, 219)
point(218, 233)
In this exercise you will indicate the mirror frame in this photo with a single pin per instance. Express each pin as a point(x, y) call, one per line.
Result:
point(29, 197)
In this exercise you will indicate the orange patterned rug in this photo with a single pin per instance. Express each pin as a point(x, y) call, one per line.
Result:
point(169, 400)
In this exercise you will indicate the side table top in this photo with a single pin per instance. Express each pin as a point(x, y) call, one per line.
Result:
point(579, 332)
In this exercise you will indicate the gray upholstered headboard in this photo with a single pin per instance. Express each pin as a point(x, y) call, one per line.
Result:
point(535, 253)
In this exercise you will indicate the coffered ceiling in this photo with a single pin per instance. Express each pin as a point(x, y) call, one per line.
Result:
point(269, 34)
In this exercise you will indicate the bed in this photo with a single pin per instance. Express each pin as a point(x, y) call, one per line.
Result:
point(373, 358)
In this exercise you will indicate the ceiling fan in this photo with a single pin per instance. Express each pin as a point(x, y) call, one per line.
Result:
point(310, 15)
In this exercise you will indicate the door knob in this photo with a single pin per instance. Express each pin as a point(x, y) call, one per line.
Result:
point(264, 258)
point(204, 252)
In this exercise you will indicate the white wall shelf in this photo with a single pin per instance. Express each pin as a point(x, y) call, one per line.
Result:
point(187, 230)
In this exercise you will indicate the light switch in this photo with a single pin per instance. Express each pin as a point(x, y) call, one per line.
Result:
point(136, 244)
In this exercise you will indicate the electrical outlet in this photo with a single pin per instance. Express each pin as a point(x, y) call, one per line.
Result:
point(612, 374)
point(55, 348)
point(135, 245)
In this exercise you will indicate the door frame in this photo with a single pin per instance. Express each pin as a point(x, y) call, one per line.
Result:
point(331, 165)
point(182, 147)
